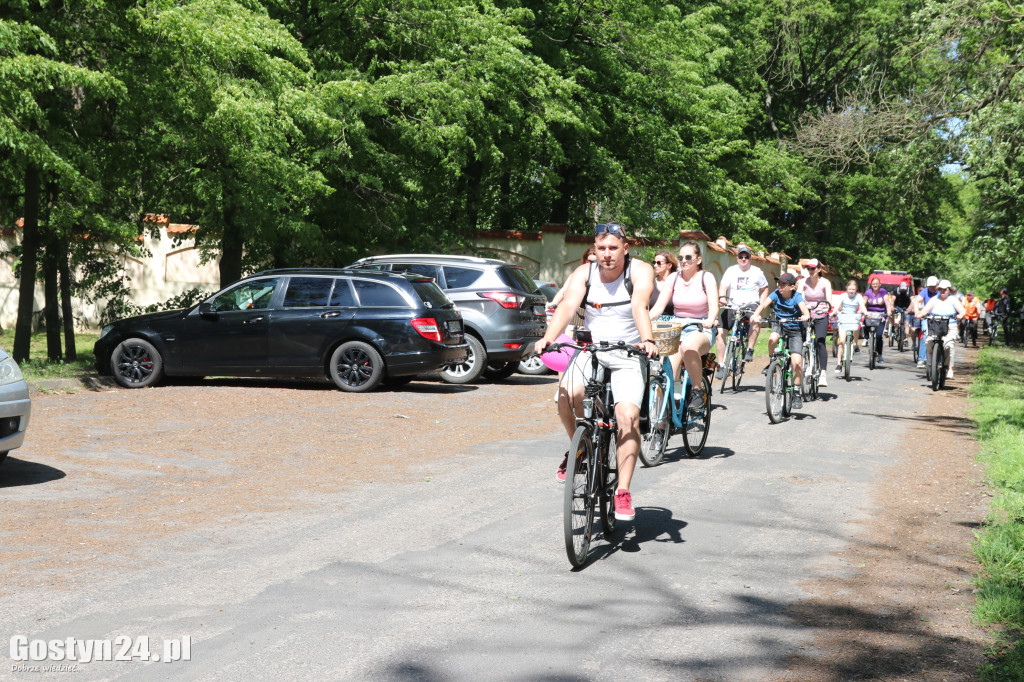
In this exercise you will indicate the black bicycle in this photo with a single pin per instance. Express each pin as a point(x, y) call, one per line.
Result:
point(938, 358)
point(591, 475)
point(871, 322)
point(898, 330)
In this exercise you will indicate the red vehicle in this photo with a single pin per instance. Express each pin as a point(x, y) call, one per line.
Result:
point(891, 279)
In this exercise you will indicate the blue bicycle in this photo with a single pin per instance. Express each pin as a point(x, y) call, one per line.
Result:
point(668, 414)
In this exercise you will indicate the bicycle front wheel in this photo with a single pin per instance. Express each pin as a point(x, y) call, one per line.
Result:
point(610, 473)
point(695, 435)
point(774, 392)
point(727, 363)
point(653, 443)
point(580, 495)
point(936, 364)
point(809, 387)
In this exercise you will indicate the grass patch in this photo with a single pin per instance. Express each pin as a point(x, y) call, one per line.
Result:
point(998, 393)
point(38, 367)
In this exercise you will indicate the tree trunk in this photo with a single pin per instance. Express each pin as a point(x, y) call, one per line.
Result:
point(30, 251)
point(64, 269)
point(230, 249)
point(51, 306)
point(561, 207)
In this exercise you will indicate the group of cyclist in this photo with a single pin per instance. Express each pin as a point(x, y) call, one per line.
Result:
point(620, 296)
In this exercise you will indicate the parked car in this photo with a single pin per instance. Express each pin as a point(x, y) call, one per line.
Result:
point(15, 405)
point(501, 307)
point(531, 364)
point(358, 328)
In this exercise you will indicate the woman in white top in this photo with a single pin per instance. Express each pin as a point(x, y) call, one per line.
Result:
point(849, 308)
point(945, 305)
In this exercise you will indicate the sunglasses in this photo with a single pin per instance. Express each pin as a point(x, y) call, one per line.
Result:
point(659, 262)
point(687, 257)
point(611, 228)
point(812, 267)
point(745, 256)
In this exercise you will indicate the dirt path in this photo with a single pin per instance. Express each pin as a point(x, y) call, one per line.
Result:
point(905, 613)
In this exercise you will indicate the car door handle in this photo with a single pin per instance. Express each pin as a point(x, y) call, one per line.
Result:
point(324, 316)
point(254, 320)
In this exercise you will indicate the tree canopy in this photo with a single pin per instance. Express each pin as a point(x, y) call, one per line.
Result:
point(867, 133)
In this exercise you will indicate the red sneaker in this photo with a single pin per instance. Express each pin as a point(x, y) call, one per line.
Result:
point(624, 506)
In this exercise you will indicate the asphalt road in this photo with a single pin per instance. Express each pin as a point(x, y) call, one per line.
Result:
point(459, 570)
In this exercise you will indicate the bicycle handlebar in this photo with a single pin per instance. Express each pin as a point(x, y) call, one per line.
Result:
point(598, 346)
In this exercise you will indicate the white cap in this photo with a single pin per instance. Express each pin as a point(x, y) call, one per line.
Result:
point(903, 285)
point(812, 263)
point(932, 281)
point(944, 284)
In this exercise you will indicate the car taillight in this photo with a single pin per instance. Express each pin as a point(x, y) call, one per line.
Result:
point(503, 298)
point(428, 328)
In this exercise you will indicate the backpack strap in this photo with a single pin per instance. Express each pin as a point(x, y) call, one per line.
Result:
point(627, 280)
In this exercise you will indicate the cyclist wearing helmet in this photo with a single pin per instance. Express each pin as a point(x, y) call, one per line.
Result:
point(616, 291)
point(945, 305)
point(927, 292)
point(901, 304)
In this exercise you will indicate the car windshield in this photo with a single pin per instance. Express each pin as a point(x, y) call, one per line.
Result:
point(517, 279)
point(431, 295)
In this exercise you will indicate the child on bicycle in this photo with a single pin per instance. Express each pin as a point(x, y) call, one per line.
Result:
point(792, 312)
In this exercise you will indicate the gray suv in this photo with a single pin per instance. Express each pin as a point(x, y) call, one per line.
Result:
point(502, 309)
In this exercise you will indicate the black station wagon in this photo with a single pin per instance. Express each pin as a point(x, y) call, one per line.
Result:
point(358, 328)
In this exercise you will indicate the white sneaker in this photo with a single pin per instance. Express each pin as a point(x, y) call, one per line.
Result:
point(949, 374)
point(864, 342)
point(839, 369)
point(823, 379)
point(920, 364)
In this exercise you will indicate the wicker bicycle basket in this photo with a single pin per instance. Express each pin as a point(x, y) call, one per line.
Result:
point(666, 335)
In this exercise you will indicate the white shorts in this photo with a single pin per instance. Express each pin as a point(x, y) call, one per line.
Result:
point(627, 376)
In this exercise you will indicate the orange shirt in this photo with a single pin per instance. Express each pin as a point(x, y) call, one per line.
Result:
point(972, 309)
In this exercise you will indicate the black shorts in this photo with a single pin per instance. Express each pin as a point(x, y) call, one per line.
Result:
point(729, 316)
point(794, 338)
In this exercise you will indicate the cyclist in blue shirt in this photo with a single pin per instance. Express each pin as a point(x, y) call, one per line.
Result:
point(792, 311)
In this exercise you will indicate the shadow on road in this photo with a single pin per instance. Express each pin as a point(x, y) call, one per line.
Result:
point(652, 524)
point(16, 472)
point(947, 423)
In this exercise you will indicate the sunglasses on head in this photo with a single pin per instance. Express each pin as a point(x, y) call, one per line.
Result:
point(611, 228)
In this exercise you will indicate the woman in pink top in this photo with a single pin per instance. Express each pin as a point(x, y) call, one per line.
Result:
point(817, 292)
point(694, 296)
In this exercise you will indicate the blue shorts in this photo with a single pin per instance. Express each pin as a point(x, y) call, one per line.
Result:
point(711, 333)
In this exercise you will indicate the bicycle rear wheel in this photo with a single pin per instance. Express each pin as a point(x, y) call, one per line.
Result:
point(610, 474)
point(774, 389)
point(580, 496)
point(653, 443)
point(901, 338)
point(695, 433)
point(835, 344)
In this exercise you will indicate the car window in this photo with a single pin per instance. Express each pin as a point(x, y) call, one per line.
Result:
point(517, 278)
point(307, 292)
point(378, 294)
point(254, 295)
point(343, 295)
point(431, 295)
point(372, 266)
point(416, 268)
point(457, 278)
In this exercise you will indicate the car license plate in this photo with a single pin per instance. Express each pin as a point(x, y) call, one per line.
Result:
point(539, 310)
point(454, 326)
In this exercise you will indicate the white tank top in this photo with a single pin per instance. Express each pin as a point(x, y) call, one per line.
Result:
point(612, 324)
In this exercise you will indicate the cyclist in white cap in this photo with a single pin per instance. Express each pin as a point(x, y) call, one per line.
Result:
point(945, 305)
point(743, 286)
point(927, 292)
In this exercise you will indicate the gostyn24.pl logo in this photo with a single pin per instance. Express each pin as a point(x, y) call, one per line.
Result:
point(121, 648)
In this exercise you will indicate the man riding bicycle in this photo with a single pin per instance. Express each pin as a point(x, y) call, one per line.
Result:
point(743, 286)
point(615, 291)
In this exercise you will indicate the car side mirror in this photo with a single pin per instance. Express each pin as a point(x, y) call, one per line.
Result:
point(207, 311)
